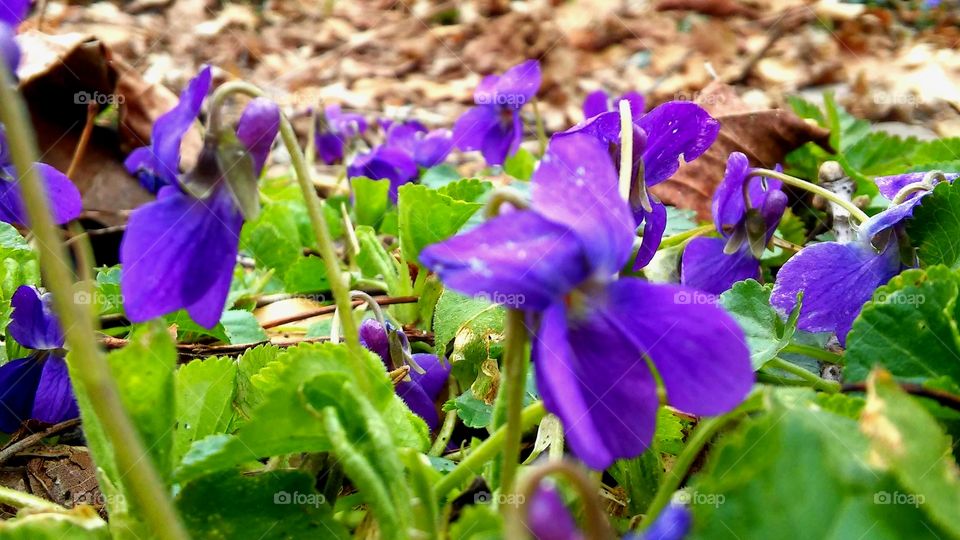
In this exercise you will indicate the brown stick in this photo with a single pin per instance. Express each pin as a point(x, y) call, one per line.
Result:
point(34, 438)
point(325, 310)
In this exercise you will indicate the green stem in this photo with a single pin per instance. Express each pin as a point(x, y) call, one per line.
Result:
point(339, 282)
point(814, 352)
point(449, 422)
point(680, 238)
point(19, 499)
point(815, 189)
point(587, 488)
point(93, 372)
point(511, 391)
point(541, 132)
point(813, 380)
point(473, 463)
point(701, 435)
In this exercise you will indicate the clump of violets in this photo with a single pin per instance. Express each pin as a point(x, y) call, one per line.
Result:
point(409, 148)
point(335, 129)
point(12, 14)
point(591, 331)
point(422, 390)
point(746, 213)
point(37, 386)
point(192, 230)
point(836, 278)
point(662, 137)
point(63, 196)
point(549, 519)
point(494, 126)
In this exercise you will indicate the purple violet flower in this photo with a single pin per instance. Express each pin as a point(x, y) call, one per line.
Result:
point(746, 216)
point(494, 126)
point(193, 238)
point(422, 390)
point(37, 386)
point(837, 279)
point(385, 163)
point(12, 13)
point(335, 129)
point(598, 102)
point(673, 523)
point(65, 203)
point(591, 331)
point(428, 148)
point(669, 132)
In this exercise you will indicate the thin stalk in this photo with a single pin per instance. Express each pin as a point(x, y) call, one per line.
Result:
point(814, 352)
point(449, 422)
point(626, 149)
point(813, 188)
point(701, 435)
point(339, 283)
point(680, 238)
point(512, 388)
point(93, 372)
point(541, 132)
point(487, 450)
point(811, 379)
point(587, 488)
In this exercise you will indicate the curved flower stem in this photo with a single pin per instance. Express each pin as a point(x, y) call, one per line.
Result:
point(449, 422)
point(812, 188)
point(814, 352)
point(597, 527)
point(512, 388)
point(339, 283)
point(487, 450)
point(92, 369)
point(701, 435)
point(813, 381)
point(680, 238)
point(929, 182)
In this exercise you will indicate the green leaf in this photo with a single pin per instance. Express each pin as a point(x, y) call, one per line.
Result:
point(76, 524)
point(248, 396)
point(270, 505)
point(467, 189)
point(907, 441)
point(205, 394)
point(679, 220)
point(474, 324)
point(938, 150)
point(370, 200)
point(935, 227)
point(273, 239)
point(375, 262)
point(749, 303)
point(19, 267)
point(473, 411)
point(478, 522)
point(242, 327)
point(306, 275)
point(108, 296)
point(189, 331)
point(427, 217)
point(520, 165)
point(767, 478)
point(909, 328)
point(439, 176)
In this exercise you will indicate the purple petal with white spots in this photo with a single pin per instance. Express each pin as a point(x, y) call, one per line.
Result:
point(194, 242)
point(33, 323)
point(18, 388)
point(589, 373)
point(654, 223)
point(674, 129)
point(576, 186)
point(257, 129)
point(55, 401)
point(519, 255)
point(836, 280)
point(161, 163)
point(518, 85)
point(707, 268)
point(699, 351)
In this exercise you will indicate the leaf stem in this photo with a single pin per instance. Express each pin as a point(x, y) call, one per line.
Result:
point(92, 370)
point(702, 434)
point(813, 188)
point(339, 282)
point(814, 352)
point(681, 237)
point(449, 422)
point(487, 450)
point(511, 390)
point(812, 379)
